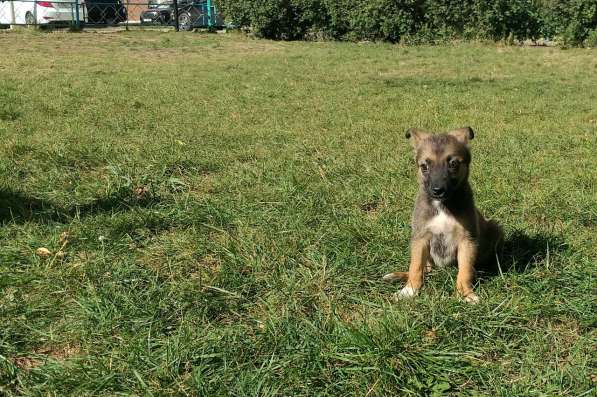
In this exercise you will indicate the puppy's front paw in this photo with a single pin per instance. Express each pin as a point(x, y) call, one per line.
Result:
point(472, 298)
point(407, 292)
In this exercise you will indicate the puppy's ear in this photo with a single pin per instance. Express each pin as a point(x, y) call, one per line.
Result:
point(416, 135)
point(463, 134)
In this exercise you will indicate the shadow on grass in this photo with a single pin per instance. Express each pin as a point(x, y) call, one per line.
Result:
point(522, 252)
point(20, 208)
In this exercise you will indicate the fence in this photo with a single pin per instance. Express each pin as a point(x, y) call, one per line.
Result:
point(179, 14)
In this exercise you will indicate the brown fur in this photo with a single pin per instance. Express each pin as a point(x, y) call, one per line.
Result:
point(446, 225)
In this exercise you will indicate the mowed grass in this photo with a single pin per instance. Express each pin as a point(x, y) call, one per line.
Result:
point(220, 211)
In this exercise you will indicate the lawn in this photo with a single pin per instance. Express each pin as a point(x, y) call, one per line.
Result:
point(219, 212)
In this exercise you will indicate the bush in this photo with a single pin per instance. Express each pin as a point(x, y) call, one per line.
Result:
point(571, 20)
point(500, 19)
point(591, 40)
point(338, 21)
point(449, 19)
point(416, 20)
point(386, 19)
point(470, 19)
point(239, 11)
point(279, 19)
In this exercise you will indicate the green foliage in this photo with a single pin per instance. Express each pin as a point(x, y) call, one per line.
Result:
point(280, 19)
point(500, 19)
point(387, 20)
point(239, 11)
point(416, 21)
point(338, 21)
point(449, 19)
point(572, 20)
point(591, 40)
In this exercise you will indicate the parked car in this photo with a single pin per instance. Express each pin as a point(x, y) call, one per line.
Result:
point(39, 13)
point(158, 12)
point(195, 14)
point(105, 12)
point(191, 14)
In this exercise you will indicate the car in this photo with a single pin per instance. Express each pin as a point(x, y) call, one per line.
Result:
point(158, 12)
point(191, 14)
point(105, 12)
point(39, 13)
point(198, 14)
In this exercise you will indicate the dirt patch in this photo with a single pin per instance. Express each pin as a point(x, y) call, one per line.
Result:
point(41, 355)
point(60, 352)
point(27, 363)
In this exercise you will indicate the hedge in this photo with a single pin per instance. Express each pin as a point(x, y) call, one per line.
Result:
point(415, 21)
point(574, 21)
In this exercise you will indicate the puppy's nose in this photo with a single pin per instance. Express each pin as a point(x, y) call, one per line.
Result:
point(438, 191)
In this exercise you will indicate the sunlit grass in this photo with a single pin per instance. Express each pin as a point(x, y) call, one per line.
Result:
point(231, 204)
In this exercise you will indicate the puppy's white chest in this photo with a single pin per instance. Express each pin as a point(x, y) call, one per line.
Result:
point(444, 243)
point(442, 223)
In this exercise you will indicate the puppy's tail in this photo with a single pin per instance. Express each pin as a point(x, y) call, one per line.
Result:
point(391, 277)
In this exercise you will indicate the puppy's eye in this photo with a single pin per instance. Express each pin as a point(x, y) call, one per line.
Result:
point(424, 167)
point(453, 163)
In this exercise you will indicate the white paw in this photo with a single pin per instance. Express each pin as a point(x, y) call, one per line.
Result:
point(472, 298)
point(407, 292)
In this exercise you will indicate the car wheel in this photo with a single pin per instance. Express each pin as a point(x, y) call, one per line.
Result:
point(184, 21)
point(29, 19)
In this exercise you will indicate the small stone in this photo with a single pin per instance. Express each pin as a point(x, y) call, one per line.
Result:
point(43, 252)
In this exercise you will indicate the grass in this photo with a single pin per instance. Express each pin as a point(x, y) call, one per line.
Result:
point(220, 210)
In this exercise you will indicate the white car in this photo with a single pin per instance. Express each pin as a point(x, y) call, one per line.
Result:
point(40, 12)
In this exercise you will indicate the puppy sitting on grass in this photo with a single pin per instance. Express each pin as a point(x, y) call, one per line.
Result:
point(447, 228)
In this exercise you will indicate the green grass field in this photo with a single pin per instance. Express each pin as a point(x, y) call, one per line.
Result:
point(219, 212)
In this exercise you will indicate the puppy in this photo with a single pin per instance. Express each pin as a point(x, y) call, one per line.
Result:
point(447, 228)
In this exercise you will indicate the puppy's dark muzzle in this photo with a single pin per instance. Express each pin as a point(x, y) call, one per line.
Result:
point(438, 193)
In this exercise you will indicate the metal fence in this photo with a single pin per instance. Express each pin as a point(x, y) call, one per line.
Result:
point(178, 14)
